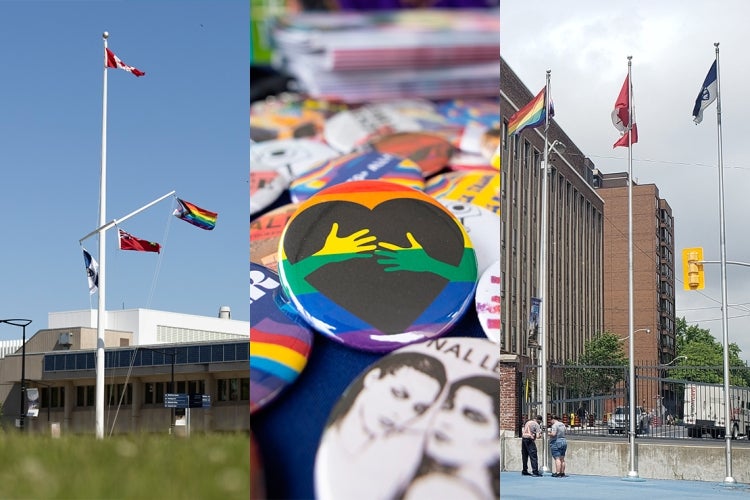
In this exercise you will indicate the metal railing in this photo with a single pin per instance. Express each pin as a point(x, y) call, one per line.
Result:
point(593, 401)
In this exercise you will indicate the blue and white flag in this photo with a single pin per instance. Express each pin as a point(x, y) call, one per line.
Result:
point(707, 95)
point(92, 271)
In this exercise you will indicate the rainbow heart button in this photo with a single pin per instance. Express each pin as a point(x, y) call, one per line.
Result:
point(377, 265)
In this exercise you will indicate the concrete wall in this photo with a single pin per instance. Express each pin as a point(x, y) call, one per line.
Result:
point(145, 322)
point(679, 460)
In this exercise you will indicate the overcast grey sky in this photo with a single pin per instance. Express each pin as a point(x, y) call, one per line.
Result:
point(585, 43)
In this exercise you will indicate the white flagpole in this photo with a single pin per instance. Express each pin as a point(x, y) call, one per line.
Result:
point(724, 320)
point(100, 316)
point(543, 280)
point(633, 472)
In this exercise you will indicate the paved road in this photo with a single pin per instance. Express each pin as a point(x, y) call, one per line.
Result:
point(514, 486)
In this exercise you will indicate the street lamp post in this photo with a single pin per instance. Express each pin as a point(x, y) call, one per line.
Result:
point(647, 330)
point(23, 323)
point(675, 359)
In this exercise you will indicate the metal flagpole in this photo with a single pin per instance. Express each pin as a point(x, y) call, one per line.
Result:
point(100, 316)
point(724, 320)
point(114, 222)
point(543, 280)
point(633, 472)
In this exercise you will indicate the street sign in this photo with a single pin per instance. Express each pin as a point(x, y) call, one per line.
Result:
point(200, 400)
point(177, 400)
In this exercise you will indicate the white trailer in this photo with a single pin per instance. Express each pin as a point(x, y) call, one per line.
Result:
point(704, 410)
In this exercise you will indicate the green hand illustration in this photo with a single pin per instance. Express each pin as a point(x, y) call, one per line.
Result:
point(414, 258)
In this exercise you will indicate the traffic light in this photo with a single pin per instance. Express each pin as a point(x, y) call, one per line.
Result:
point(692, 268)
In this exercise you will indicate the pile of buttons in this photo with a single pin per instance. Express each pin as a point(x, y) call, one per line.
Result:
point(374, 248)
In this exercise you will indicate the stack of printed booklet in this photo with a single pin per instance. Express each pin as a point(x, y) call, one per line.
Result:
point(366, 56)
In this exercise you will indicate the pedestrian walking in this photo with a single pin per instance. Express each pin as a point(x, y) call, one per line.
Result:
point(558, 445)
point(531, 431)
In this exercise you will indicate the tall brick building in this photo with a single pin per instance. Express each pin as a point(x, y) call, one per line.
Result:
point(653, 273)
point(574, 301)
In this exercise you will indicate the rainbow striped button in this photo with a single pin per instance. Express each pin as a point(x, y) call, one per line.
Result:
point(376, 265)
point(280, 344)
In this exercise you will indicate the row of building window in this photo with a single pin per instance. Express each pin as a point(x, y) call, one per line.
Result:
point(231, 389)
point(143, 356)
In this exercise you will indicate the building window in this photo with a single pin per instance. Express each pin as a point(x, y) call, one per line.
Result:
point(233, 389)
point(118, 394)
point(85, 396)
point(196, 387)
point(148, 393)
point(52, 397)
point(153, 393)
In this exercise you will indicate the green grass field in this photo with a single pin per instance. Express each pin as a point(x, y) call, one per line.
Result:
point(139, 466)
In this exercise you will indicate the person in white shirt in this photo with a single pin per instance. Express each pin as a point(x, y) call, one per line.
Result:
point(531, 431)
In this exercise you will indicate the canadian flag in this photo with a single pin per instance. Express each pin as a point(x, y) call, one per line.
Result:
point(112, 61)
point(621, 118)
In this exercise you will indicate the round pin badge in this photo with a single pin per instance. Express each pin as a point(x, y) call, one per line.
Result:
point(480, 187)
point(483, 227)
point(266, 186)
point(422, 111)
point(376, 265)
point(284, 118)
point(347, 130)
point(420, 423)
point(487, 302)
point(291, 157)
point(280, 342)
point(464, 111)
point(265, 234)
point(431, 152)
point(469, 161)
point(367, 165)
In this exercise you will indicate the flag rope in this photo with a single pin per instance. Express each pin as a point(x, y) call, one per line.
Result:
point(159, 259)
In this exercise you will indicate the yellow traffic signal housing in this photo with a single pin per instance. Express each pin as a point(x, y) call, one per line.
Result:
point(692, 268)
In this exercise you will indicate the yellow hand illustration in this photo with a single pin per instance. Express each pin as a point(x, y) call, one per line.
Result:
point(390, 246)
point(357, 242)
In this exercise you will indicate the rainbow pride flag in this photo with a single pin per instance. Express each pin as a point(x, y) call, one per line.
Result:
point(195, 215)
point(530, 116)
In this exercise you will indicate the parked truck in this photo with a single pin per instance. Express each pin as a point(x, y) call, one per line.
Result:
point(704, 410)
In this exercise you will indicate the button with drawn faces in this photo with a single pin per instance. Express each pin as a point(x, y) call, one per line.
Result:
point(280, 342)
point(420, 423)
point(487, 302)
point(368, 165)
point(376, 265)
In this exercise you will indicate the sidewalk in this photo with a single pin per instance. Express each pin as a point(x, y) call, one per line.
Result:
point(515, 486)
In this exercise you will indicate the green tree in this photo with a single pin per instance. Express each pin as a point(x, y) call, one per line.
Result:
point(599, 368)
point(702, 350)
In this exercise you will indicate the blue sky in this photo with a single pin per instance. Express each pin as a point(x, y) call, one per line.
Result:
point(183, 127)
